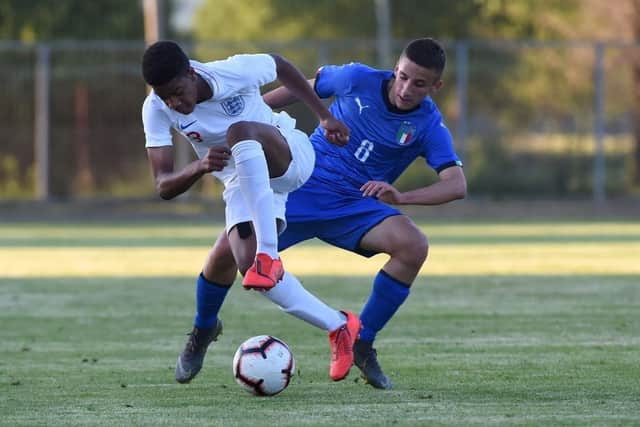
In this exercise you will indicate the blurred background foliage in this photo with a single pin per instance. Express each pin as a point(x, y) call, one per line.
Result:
point(38, 20)
point(530, 83)
point(284, 20)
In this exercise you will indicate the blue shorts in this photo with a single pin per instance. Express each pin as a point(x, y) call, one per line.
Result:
point(338, 219)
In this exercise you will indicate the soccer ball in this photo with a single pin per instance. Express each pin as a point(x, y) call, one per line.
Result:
point(263, 365)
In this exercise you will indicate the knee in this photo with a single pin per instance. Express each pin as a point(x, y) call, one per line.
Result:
point(240, 131)
point(415, 249)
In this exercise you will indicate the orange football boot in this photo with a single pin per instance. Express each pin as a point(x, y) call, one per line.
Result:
point(341, 342)
point(264, 273)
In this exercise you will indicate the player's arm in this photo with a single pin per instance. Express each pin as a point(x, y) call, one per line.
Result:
point(282, 96)
point(451, 185)
point(299, 88)
point(171, 183)
point(293, 79)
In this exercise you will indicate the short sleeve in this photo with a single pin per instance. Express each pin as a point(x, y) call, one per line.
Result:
point(241, 71)
point(156, 124)
point(438, 150)
point(334, 80)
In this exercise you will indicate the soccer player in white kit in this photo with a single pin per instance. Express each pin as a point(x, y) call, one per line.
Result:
point(260, 157)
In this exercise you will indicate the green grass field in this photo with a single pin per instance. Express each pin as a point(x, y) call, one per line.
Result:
point(512, 324)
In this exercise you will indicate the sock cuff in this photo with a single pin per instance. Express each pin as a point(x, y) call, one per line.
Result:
point(245, 150)
point(393, 279)
point(204, 281)
point(390, 288)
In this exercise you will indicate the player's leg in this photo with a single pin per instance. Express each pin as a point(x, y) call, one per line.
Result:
point(212, 287)
point(403, 241)
point(249, 143)
point(407, 247)
point(342, 326)
point(294, 299)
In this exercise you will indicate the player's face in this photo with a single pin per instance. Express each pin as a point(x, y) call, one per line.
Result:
point(412, 84)
point(180, 94)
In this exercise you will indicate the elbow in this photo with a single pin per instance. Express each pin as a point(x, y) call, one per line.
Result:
point(454, 183)
point(166, 196)
point(164, 192)
point(460, 191)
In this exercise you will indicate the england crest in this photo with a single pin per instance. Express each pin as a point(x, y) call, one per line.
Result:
point(233, 106)
point(405, 133)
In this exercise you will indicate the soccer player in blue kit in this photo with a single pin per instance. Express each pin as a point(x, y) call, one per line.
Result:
point(347, 200)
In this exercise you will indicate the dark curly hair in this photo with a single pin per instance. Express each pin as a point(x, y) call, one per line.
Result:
point(427, 53)
point(163, 61)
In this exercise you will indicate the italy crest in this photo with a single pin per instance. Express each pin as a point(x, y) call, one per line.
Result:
point(405, 133)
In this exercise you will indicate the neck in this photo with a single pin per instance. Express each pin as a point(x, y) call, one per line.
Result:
point(388, 91)
point(204, 90)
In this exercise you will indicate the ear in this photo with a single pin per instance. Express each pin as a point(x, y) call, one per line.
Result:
point(438, 85)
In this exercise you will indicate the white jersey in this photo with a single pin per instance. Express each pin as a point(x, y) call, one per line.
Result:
point(235, 83)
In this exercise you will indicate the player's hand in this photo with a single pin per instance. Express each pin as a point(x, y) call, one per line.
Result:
point(384, 191)
point(335, 131)
point(216, 158)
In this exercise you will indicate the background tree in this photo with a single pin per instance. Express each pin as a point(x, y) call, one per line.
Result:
point(36, 20)
point(548, 88)
point(634, 18)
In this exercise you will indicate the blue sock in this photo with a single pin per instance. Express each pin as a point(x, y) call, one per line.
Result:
point(209, 299)
point(386, 297)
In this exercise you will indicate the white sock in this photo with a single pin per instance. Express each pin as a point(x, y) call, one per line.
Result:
point(253, 176)
point(294, 299)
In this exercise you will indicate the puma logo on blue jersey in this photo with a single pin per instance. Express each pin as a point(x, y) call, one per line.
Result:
point(360, 106)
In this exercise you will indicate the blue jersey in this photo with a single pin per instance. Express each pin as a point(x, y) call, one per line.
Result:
point(384, 141)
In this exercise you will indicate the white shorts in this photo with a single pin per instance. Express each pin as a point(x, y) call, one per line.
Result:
point(302, 161)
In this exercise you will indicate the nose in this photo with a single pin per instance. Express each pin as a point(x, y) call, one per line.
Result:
point(404, 90)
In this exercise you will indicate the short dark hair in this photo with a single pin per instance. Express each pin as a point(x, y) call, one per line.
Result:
point(427, 53)
point(163, 61)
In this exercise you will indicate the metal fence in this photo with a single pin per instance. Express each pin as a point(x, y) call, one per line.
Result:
point(530, 119)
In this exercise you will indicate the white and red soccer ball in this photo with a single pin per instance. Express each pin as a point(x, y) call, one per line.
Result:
point(263, 365)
